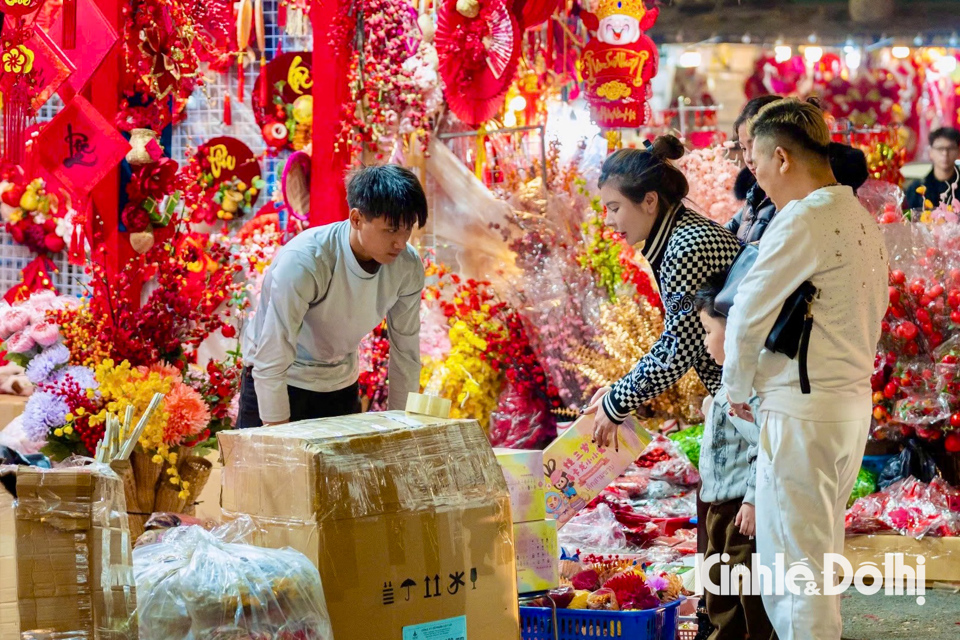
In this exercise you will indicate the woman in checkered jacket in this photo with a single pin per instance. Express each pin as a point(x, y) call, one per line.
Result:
point(643, 194)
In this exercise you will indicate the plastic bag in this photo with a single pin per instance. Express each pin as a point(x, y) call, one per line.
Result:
point(865, 484)
point(911, 507)
point(194, 585)
point(689, 442)
point(596, 531)
point(912, 461)
point(668, 463)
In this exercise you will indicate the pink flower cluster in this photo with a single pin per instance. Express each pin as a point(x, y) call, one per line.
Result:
point(25, 328)
point(711, 176)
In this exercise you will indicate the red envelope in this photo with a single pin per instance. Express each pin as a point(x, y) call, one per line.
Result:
point(53, 68)
point(79, 147)
point(95, 38)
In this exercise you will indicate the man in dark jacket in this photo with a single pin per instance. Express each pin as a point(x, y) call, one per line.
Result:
point(939, 184)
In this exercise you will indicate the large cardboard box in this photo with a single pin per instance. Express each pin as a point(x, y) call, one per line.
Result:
point(407, 518)
point(523, 470)
point(65, 556)
point(538, 556)
point(941, 556)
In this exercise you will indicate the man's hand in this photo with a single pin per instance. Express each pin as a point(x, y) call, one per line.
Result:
point(747, 519)
point(741, 410)
point(604, 430)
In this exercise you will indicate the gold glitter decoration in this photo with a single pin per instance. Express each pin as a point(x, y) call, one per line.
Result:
point(628, 330)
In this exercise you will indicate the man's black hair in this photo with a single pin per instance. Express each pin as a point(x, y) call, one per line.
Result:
point(706, 298)
point(388, 191)
point(949, 133)
point(849, 165)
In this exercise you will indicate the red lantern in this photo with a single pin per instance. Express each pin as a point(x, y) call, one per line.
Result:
point(619, 62)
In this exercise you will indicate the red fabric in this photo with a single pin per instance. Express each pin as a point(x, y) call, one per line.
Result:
point(328, 193)
point(95, 38)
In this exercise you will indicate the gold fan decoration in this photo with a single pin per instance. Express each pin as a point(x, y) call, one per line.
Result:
point(628, 330)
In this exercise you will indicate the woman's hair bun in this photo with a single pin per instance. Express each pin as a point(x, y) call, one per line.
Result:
point(667, 148)
point(815, 101)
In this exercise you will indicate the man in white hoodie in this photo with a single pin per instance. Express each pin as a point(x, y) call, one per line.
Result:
point(811, 445)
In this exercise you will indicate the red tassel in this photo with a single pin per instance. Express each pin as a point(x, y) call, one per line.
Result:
point(281, 17)
point(264, 94)
point(279, 50)
point(69, 35)
point(227, 111)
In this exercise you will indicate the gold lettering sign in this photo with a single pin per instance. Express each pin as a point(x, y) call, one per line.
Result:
point(298, 76)
point(22, 3)
point(614, 90)
point(615, 59)
point(220, 159)
point(618, 114)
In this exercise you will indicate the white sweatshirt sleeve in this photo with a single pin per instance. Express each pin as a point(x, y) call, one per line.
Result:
point(787, 258)
point(295, 284)
point(403, 331)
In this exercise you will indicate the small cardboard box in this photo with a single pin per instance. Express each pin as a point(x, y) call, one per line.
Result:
point(406, 517)
point(538, 556)
point(577, 470)
point(523, 470)
point(66, 568)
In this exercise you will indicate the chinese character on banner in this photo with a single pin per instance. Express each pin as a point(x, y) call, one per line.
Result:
point(619, 62)
point(79, 147)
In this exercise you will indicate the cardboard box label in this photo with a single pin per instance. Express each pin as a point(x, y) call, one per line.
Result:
point(577, 470)
point(449, 629)
point(433, 586)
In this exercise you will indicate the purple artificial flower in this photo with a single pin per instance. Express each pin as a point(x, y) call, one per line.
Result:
point(43, 365)
point(44, 411)
point(83, 376)
point(658, 583)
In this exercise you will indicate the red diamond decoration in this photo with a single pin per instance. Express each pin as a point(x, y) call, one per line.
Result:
point(95, 38)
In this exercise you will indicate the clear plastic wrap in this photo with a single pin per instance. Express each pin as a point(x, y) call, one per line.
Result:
point(884, 200)
point(66, 544)
point(195, 586)
point(667, 462)
point(596, 531)
point(910, 507)
point(377, 501)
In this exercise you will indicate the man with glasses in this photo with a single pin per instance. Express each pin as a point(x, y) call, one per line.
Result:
point(940, 183)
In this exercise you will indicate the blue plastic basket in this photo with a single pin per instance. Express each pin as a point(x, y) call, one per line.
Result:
point(875, 464)
point(577, 624)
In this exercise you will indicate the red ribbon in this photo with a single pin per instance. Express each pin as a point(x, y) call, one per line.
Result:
point(69, 35)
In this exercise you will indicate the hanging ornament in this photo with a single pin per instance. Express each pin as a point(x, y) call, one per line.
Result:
point(533, 13)
point(222, 181)
point(95, 38)
point(619, 62)
point(478, 43)
point(244, 25)
point(282, 96)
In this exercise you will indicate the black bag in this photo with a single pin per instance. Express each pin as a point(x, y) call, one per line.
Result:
point(912, 461)
point(791, 332)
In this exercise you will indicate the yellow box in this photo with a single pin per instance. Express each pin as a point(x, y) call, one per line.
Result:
point(577, 470)
point(538, 556)
point(523, 470)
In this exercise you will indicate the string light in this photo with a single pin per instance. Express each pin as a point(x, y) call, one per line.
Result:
point(813, 54)
point(690, 60)
point(782, 53)
point(853, 58)
point(518, 103)
point(900, 52)
point(945, 65)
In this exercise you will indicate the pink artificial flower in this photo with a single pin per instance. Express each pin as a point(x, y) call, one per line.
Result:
point(13, 320)
point(20, 343)
point(45, 333)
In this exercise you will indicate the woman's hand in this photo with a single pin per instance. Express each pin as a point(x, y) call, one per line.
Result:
point(604, 430)
point(741, 410)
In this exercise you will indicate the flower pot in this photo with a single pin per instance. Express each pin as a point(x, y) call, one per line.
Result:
point(139, 139)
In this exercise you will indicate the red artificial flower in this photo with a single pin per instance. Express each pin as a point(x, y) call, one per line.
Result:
point(54, 243)
point(152, 180)
point(135, 219)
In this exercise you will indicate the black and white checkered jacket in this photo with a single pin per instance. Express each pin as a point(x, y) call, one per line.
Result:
point(684, 249)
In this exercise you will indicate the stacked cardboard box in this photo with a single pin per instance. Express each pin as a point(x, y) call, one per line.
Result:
point(407, 518)
point(65, 556)
point(534, 535)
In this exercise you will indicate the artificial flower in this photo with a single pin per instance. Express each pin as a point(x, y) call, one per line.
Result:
point(135, 218)
point(20, 343)
point(187, 413)
point(42, 366)
point(44, 411)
